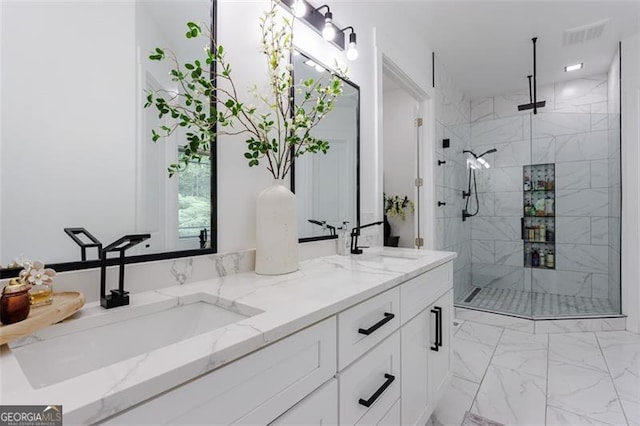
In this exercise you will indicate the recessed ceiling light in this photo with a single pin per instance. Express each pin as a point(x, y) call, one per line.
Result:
point(573, 67)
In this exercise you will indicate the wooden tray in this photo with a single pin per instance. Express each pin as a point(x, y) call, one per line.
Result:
point(64, 304)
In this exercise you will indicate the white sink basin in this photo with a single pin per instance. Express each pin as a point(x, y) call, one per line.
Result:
point(66, 356)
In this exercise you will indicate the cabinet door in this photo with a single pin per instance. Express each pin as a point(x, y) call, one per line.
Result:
point(319, 408)
point(440, 345)
point(414, 354)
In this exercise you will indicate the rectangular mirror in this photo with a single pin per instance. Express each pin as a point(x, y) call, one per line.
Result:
point(76, 141)
point(327, 186)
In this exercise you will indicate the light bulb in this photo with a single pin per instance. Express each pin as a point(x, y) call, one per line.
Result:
point(299, 8)
point(329, 31)
point(352, 50)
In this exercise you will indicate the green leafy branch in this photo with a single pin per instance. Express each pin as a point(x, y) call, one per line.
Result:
point(278, 130)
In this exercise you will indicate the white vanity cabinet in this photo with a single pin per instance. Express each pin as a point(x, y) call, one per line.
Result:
point(383, 361)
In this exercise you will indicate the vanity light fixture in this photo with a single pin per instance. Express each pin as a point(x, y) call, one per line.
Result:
point(352, 47)
point(573, 67)
point(320, 19)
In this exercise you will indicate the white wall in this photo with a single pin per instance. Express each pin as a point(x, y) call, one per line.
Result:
point(631, 181)
point(399, 158)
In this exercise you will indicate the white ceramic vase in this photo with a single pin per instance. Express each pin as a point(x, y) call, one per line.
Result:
point(276, 230)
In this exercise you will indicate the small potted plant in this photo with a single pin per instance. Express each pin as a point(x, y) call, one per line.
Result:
point(395, 207)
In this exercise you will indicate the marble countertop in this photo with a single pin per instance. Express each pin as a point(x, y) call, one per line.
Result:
point(279, 305)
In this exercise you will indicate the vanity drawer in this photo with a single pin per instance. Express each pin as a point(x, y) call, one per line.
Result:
point(421, 291)
point(366, 324)
point(373, 380)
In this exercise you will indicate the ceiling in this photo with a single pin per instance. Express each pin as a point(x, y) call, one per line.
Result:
point(486, 45)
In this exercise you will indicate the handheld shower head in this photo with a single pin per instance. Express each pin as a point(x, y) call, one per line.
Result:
point(491, 151)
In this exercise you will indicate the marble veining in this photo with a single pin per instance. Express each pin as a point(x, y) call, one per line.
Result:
point(582, 258)
point(573, 230)
point(511, 397)
point(560, 123)
point(573, 175)
point(497, 131)
point(481, 109)
point(582, 202)
point(581, 146)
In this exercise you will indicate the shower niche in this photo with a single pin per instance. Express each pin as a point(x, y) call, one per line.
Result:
point(538, 217)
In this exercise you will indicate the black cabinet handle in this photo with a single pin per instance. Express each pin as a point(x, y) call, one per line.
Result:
point(436, 345)
point(368, 402)
point(522, 236)
point(439, 324)
point(387, 317)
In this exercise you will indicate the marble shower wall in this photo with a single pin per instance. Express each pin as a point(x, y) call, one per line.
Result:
point(572, 131)
point(452, 110)
point(614, 177)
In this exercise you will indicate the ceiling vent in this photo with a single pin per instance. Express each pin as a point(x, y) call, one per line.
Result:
point(585, 33)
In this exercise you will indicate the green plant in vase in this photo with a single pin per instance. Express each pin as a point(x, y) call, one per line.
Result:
point(277, 130)
point(395, 207)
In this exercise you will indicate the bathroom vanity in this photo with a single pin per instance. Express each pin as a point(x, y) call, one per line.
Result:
point(345, 340)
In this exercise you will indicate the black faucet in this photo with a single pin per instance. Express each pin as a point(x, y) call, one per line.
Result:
point(323, 224)
point(118, 297)
point(355, 233)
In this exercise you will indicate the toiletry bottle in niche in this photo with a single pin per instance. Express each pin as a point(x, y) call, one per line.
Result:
point(548, 206)
point(549, 236)
point(543, 232)
point(527, 208)
point(542, 258)
point(550, 259)
point(535, 259)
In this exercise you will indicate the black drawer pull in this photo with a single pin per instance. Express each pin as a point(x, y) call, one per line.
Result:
point(387, 317)
point(367, 403)
point(438, 335)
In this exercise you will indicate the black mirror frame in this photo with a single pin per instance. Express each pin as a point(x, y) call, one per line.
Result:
point(90, 264)
point(293, 164)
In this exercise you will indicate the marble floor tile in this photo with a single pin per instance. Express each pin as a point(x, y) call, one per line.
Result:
point(559, 417)
point(579, 349)
point(622, 354)
point(523, 352)
point(511, 397)
point(456, 400)
point(583, 391)
point(470, 359)
point(479, 333)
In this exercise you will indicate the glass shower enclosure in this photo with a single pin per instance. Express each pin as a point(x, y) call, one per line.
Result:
point(541, 236)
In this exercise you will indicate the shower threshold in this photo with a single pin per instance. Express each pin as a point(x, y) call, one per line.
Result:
point(535, 306)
